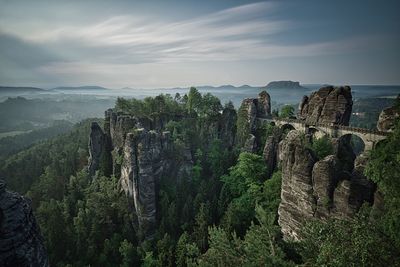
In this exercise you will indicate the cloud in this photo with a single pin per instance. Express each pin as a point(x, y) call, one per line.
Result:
point(224, 35)
point(116, 45)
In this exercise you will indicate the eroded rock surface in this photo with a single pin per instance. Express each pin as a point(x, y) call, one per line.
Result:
point(143, 153)
point(250, 110)
point(21, 243)
point(271, 150)
point(327, 105)
point(143, 165)
point(311, 188)
point(96, 147)
point(297, 199)
point(388, 117)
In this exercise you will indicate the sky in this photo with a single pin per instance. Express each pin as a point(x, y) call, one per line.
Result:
point(169, 43)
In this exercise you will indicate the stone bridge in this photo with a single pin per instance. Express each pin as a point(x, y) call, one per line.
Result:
point(369, 137)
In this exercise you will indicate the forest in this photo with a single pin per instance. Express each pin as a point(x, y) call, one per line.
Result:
point(224, 214)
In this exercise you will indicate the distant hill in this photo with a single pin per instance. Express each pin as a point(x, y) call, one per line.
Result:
point(72, 88)
point(283, 85)
point(14, 89)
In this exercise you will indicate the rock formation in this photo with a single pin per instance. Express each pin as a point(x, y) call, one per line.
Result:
point(318, 189)
point(96, 147)
point(271, 150)
point(332, 187)
point(141, 153)
point(21, 243)
point(249, 111)
point(328, 105)
point(144, 163)
point(388, 117)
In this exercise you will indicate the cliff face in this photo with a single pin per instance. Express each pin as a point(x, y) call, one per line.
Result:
point(21, 243)
point(96, 147)
point(142, 153)
point(320, 189)
point(297, 199)
point(388, 117)
point(328, 105)
point(144, 163)
point(249, 111)
point(330, 187)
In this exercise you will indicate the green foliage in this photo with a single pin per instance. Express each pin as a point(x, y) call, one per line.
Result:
point(322, 147)
point(259, 247)
point(384, 169)
point(62, 157)
point(13, 144)
point(287, 111)
point(354, 242)
point(194, 100)
point(262, 133)
point(150, 106)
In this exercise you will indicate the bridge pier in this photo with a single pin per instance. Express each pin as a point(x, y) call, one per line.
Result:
point(368, 146)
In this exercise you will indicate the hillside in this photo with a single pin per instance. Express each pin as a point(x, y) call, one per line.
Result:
point(186, 181)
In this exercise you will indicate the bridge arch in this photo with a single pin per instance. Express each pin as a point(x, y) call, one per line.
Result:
point(316, 132)
point(287, 127)
point(356, 142)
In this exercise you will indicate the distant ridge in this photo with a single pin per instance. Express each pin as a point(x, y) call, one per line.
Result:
point(16, 89)
point(283, 85)
point(88, 87)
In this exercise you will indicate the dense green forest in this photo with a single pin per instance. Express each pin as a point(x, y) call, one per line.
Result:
point(224, 215)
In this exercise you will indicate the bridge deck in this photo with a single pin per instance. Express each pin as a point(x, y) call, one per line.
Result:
point(328, 125)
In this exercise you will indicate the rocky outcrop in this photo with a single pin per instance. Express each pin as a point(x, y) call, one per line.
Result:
point(143, 153)
point(21, 243)
point(271, 150)
point(227, 127)
point(297, 199)
point(328, 105)
point(388, 117)
point(263, 104)
point(330, 187)
point(144, 162)
point(96, 147)
point(249, 111)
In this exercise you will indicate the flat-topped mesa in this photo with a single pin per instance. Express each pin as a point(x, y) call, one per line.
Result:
point(21, 243)
point(329, 104)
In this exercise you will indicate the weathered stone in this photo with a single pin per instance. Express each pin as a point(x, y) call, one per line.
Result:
point(328, 105)
point(264, 105)
point(227, 127)
point(325, 175)
point(96, 147)
point(362, 189)
point(21, 243)
point(250, 145)
point(270, 152)
point(388, 117)
point(250, 110)
point(297, 200)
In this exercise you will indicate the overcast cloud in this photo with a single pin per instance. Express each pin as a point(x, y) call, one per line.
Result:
point(236, 45)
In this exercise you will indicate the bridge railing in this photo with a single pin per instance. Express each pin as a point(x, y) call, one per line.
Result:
point(332, 126)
